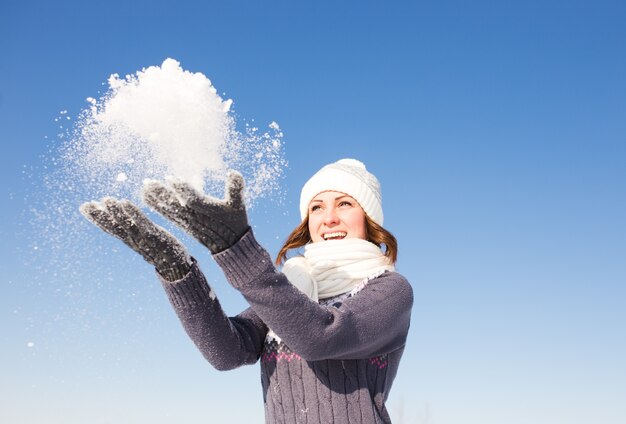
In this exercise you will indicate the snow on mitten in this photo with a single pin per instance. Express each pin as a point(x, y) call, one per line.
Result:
point(216, 223)
point(125, 221)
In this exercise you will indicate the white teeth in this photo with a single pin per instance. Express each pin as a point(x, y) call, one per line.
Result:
point(340, 234)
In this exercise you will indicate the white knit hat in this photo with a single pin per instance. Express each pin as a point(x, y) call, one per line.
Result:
point(347, 176)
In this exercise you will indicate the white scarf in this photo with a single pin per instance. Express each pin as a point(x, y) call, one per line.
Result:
point(334, 267)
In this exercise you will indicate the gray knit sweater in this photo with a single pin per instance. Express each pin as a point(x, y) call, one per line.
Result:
point(337, 359)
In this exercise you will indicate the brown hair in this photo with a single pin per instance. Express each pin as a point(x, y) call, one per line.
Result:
point(374, 233)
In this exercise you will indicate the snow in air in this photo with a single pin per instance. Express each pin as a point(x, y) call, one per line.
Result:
point(159, 122)
point(164, 121)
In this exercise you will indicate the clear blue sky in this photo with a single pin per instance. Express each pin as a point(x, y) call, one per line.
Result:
point(497, 129)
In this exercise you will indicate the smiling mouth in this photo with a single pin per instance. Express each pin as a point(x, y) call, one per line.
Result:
point(338, 235)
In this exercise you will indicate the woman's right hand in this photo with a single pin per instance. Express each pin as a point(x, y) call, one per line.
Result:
point(216, 223)
point(124, 220)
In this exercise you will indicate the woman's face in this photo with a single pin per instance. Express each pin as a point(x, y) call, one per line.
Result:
point(334, 216)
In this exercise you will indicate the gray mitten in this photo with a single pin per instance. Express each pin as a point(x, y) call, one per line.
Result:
point(216, 223)
point(125, 221)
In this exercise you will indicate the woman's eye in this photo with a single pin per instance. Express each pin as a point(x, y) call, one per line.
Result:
point(315, 208)
point(345, 203)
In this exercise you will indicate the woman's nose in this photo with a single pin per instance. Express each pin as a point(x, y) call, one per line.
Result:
point(330, 217)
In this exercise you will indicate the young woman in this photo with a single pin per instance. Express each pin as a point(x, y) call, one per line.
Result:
point(329, 329)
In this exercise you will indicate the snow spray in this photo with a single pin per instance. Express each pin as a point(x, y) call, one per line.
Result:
point(160, 122)
point(165, 121)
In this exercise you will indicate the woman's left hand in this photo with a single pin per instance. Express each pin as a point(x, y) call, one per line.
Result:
point(124, 220)
point(216, 223)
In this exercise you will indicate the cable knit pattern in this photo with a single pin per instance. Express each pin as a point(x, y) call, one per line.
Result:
point(337, 359)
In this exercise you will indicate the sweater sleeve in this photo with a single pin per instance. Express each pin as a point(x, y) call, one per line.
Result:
point(373, 322)
point(227, 343)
